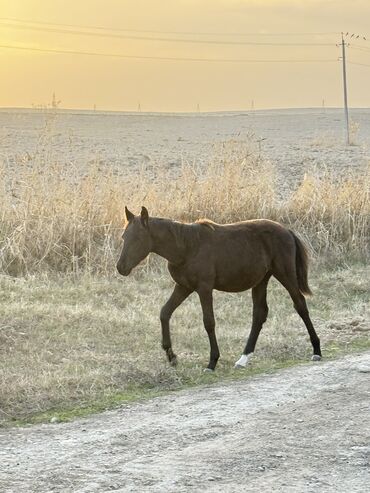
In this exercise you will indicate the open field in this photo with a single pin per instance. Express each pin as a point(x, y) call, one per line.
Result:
point(295, 140)
point(74, 338)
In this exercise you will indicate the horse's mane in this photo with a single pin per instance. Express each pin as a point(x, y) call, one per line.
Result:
point(206, 222)
point(187, 234)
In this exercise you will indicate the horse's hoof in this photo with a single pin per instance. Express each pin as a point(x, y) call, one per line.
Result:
point(239, 367)
point(243, 361)
point(316, 357)
point(208, 370)
point(173, 361)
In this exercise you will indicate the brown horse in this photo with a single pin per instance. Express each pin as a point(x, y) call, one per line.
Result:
point(233, 257)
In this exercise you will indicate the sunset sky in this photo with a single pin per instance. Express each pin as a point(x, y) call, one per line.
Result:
point(132, 28)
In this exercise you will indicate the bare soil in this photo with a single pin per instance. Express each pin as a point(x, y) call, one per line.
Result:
point(304, 429)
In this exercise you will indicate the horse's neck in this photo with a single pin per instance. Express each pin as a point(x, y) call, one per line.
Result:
point(167, 240)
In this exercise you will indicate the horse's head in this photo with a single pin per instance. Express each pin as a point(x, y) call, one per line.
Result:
point(136, 241)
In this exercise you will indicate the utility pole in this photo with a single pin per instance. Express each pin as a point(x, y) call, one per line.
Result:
point(345, 89)
point(343, 44)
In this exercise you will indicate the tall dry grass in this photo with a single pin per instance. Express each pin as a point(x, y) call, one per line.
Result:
point(333, 215)
point(62, 218)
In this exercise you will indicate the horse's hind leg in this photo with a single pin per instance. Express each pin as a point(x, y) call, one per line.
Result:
point(260, 311)
point(291, 285)
point(301, 307)
point(180, 293)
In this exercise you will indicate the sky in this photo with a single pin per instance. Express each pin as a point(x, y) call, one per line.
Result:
point(173, 75)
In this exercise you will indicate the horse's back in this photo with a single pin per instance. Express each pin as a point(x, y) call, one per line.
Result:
point(254, 232)
point(242, 253)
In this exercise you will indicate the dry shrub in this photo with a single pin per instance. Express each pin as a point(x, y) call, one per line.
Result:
point(333, 214)
point(61, 218)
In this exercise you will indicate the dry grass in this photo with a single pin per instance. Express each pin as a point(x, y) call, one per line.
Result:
point(57, 218)
point(333, 215)
point(67, 344)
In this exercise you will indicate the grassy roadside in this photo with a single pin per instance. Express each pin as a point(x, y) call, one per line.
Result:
point(70, 348)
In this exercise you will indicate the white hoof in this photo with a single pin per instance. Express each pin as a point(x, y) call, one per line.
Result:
point(316, 357)
point(243, 360)
point(208, 370)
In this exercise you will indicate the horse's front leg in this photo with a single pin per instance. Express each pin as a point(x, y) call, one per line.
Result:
point(206, 300)
point(180, 293)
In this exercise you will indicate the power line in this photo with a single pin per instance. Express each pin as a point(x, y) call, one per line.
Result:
point(151, 38)
point(358, 63)
point(182, 59)
point(213, 33)
point(358, 47)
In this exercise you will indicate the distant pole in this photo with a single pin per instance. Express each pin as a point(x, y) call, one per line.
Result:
point(252, 105)
point(323, 105)
point(198, 108)
point(139, 107)
point(345, 89)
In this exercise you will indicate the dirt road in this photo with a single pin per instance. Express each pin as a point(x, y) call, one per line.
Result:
point(305, 429)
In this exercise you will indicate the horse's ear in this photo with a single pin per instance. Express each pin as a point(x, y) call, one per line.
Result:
point(129, 215)
point(144, 217)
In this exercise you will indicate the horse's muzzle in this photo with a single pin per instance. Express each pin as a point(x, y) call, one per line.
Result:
point(124, 271)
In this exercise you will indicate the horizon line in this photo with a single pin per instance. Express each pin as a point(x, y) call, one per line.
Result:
point(143, 112)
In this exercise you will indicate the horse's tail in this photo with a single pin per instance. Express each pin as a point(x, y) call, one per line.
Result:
point(301, 262)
